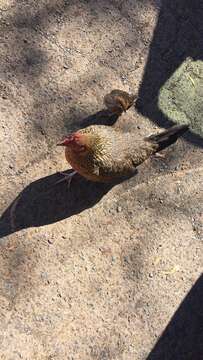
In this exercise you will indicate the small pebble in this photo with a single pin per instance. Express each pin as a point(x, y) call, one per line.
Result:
point(126, 259)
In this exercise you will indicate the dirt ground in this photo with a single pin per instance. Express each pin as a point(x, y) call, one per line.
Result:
point(100, 271)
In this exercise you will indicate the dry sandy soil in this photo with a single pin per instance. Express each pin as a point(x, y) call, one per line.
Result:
point(100, 272)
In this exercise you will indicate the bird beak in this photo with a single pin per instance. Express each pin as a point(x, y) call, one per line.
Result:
point(62, 143)
point(66, 142)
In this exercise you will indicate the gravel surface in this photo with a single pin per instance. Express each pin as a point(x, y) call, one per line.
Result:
point(100, 272)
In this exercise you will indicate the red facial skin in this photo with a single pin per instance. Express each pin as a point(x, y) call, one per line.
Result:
point(75, 141)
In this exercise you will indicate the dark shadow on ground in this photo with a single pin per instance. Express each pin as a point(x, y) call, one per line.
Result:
point(178, 35)
point(102, 117)
point(45, 201)
point(183, 337)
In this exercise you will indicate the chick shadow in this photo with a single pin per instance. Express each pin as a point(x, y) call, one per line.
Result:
point(183, 337)
point(178, 35)
point(48, 200)
point(101, 117)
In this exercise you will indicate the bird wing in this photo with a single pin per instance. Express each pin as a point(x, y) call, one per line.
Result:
point(122, 153)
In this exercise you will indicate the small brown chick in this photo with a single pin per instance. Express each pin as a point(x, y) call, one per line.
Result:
point(103, 153)
point(118, 101)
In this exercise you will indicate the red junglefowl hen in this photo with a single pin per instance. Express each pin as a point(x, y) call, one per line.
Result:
point(103, 153)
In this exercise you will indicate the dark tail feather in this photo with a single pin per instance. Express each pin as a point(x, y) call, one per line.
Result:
point(168, 137)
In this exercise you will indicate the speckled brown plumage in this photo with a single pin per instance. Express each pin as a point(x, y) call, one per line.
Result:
point(112, 154)
point(118, 101)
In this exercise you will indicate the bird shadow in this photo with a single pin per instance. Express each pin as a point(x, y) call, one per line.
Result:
point(101, 117)
point(183, 337)
point(48, 200)
point(45, 201)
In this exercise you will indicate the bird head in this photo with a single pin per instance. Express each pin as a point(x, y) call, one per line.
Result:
point(78, 142)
